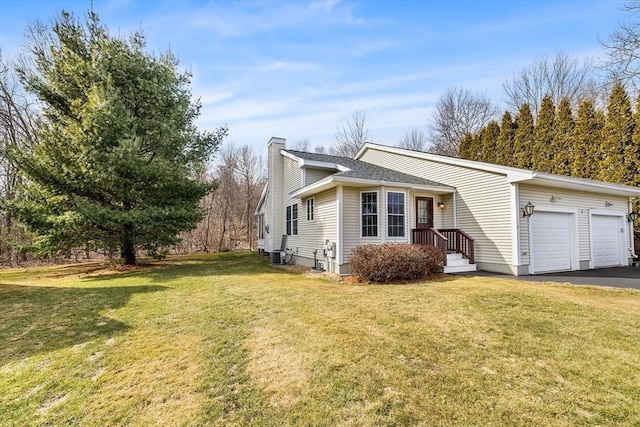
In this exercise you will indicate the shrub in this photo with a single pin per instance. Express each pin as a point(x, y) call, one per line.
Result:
point(395, 261)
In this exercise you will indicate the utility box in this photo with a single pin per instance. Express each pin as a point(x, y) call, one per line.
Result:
point(274, 257)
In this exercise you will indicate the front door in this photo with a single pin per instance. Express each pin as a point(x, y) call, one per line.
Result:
point(424, 212)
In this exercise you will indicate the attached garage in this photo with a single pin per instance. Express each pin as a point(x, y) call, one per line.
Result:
point(553, 242)
point(607, 240)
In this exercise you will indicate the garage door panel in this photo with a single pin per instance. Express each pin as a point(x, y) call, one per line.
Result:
point(605, 238)
point(550, 241)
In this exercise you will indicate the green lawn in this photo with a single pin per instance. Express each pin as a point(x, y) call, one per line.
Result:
point(228, 340)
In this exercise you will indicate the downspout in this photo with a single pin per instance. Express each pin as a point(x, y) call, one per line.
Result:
point(455, 210)
point(340, 239)
point(632, 236)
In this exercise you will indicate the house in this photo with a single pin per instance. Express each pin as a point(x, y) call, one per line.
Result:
point(486, 216)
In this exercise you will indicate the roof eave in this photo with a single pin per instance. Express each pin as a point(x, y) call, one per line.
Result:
point(335, 180)
point(569, 183)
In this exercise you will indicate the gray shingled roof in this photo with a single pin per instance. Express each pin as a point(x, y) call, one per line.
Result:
point(364, 170)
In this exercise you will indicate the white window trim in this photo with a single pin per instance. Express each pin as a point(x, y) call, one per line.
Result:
point(377, 213)
point(386, 216)
point(297, 219)
point(313, 210)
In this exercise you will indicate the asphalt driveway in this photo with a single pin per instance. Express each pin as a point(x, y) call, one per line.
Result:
point(618, 277)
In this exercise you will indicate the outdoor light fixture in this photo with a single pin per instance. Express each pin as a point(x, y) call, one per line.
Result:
point(555, 198)
point(632, 216)
point(528, 210)
point(608, 204)
point(441, 205)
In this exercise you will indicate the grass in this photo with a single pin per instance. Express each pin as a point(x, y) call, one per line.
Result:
point(228, 340)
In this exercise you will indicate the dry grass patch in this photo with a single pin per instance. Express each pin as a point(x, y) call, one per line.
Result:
point(228, 340)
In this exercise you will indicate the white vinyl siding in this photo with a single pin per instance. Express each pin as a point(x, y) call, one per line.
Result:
point(581, 201)
point(314, 175)
point(482, 199)
point(312, 234)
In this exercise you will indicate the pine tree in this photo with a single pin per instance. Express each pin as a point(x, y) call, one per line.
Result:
point(616, 136)
point(544, 133)
point(563, 139)
point(523, 147)
point(118, 149)
point(587, 137)
point(506, 141)
point(490, 136)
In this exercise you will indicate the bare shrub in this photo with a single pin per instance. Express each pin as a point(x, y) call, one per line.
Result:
point(395, 261)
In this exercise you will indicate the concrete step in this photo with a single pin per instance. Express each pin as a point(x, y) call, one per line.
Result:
point(457, 264)
point(459, 268)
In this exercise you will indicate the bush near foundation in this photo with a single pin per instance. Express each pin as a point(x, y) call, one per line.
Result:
point(395, 261)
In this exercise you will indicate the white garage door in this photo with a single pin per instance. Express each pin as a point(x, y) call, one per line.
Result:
point(550, 241)
point(605, 237)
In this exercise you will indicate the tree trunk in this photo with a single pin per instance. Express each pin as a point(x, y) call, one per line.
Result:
point(127, 249)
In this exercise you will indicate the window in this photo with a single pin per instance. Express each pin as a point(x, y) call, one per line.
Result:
point(395, 214)
point(369, 209)
point(261, 226)
point(292, 220)
point(310, 213)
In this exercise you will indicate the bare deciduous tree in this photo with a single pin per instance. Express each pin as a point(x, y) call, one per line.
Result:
point(301, 145)
point(351, 135)
point(558, 77)
point(229, 222)
point(320, 149)
point(623, 49)
point(17, 119)
point(414, 140)
point(458, 112)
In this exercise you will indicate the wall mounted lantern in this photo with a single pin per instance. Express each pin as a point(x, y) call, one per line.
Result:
point(441, 205)
point(528, 210)
point(632, 216)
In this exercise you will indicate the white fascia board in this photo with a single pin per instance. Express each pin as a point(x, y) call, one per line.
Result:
point(262, 198)
point(306, 163)
point(438, 189)
point(316, 187)
point(333, 180)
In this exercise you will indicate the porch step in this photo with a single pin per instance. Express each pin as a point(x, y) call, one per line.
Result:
point(457, 264)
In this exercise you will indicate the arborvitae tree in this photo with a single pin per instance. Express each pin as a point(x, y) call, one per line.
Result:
point(616, 136)
point(563, 139)
point(544, 134)
point(476, 146)
point(490, 136)
point(632, 151)
point(466, 145)
point(587, 137)
point(524, 139)
point(118, 149)
point(632, 156)
point(506, 141)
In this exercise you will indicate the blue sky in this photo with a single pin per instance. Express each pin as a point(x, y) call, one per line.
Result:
point(294, 69)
